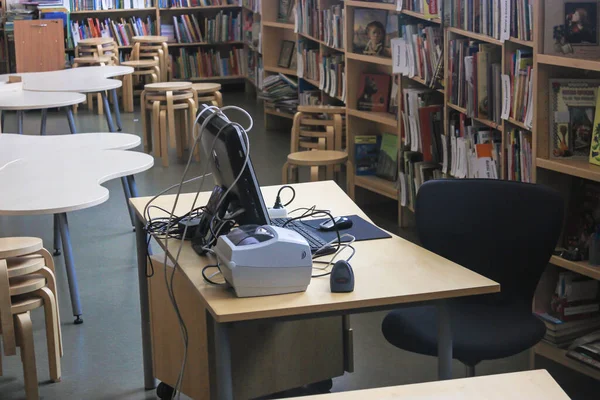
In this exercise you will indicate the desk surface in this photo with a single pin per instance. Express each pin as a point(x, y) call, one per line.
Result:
point(63, 173)
point(30, 100)
point(527, 385)
point(388, 272)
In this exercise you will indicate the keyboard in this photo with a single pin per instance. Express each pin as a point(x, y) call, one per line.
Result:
point(314, 241)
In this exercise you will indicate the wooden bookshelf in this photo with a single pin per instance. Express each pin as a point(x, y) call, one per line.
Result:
point(377, 185)
point(147, 10)
point(280, 25)
point(366, 4)
point(369, 59)
point(379, 117)
point(421, 16)
point(573, 167)
point(581, 267)
point(253, 52)
point(560, 356)
point(199, 8)
point(279, 70)
point(475, 36)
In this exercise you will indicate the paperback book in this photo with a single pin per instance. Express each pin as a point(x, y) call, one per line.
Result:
point(370, 32)
point(571, 28)
point(373, 92)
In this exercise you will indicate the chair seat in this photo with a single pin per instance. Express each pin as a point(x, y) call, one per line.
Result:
point(317, 158)
point(19, 246)
point(140, 63)
point(95, 41)
point(24, 265)
point(206, 88)
point(479, 331)
point(22, 304)
point(167, 86)
point(26, 284)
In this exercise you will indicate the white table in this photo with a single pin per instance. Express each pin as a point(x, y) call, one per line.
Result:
point(25, 100)
point(44, 175)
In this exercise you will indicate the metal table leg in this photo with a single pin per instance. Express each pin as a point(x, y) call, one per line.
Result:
point(115, 101)
point(2, 120)
point(444, 341)
point(57, 244)
point(20, 122)
point(43, 124)
point(142, 256)
point(222, 359)
point(107, 113)
point(71, 120)
point(70, 267)
point(127, 192)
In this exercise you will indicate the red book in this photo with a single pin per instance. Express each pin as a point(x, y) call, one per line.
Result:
point(426, 119)
point(374, 92)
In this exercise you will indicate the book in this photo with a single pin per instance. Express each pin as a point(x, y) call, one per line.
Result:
point(430, 130)
point(373, 92)
point(284, 10)
point(369, 32)
point(571, 28)
point(594, 157)
point(519, 155)
point(387, 161)
point(366, 154)
point(587, 350)
point(575, 297)
point(572, 110)
point(583, 217)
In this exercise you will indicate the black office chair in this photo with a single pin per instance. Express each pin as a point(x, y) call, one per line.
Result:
point(503, 230)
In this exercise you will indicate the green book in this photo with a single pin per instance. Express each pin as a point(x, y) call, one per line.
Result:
point(387, 162)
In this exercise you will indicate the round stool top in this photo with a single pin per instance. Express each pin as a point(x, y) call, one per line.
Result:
point(26, 284)
point(168, 86)
point(317, 158)
point(95, 41)
point(140, 63)
point(92, 59)
point(150, 39)
point(205, 87)
point(19, 246)
point(24, 265)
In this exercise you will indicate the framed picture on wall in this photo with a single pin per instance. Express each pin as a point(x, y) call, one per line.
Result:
point(285, 55)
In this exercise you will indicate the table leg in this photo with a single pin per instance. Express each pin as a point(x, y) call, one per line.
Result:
point(70, 267)
point(444, 341)
point(71, 120)
point(109, 120)
point(115, 101)
point(127, 192)
point(43, 123)
point(142, 256)
point(20, 122)
point(222, 359)
point(2, 121)
point(57, 244)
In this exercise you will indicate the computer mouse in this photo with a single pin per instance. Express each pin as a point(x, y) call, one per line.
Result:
point(341, 279)
point(338, 223)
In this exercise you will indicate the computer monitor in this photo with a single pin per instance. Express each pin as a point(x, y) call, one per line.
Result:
point(225, 150)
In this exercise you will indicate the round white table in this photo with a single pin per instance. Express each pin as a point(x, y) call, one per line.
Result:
point(59, 174)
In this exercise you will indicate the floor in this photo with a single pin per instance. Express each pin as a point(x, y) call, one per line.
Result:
point(103, 357)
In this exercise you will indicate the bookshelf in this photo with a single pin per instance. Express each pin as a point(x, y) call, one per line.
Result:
point(251, 31)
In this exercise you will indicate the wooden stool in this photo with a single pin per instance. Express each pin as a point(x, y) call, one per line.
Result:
point(155, 48)
point(89, 61)
point(27, 282)
point(142, 69)
point(98, 47)
point(209, 93)
point(163, 101)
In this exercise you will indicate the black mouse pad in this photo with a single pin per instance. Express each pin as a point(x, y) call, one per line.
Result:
point(361, 229)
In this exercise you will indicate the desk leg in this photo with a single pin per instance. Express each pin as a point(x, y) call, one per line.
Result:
point(70, 267)
point(2, 120)
point(107, 113)
point(20, 122)
point(115, 101)
point(43, 123)
point(222, 353)
point(71, 120)
point(127, 191)
point(444, 341)
point(142, 256)
point(56, 236)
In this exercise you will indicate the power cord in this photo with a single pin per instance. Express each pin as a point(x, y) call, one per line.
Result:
point(278, 198)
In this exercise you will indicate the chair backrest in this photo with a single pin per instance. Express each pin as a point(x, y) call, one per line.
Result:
point(317, 122)
point(505, 231)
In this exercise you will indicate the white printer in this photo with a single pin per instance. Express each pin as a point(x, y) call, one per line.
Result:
point(264, 260)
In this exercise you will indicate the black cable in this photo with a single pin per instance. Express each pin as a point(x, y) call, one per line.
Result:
point(328, 262)
point(206, 278)
point(316, 213)
point(278, 197)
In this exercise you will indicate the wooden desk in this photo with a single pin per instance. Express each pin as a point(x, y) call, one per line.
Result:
point(388, 272)
point(528, 385)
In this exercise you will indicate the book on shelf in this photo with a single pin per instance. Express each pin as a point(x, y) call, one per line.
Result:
point(223, 27)
point(285, 11)
point(366, 154)
point(412, 173)
point(91, 5)
point(369, 32)
point(429, 8)
point(475, 78)
point(519, 156)
point(280, 93)
point(521, 18)
point(521, 86)
point(572, 111)
point(393, 104)
point(571, 29)
point(587, 350)
point(575, 297)
point(187, 64)
point(387, 159)
point(418, 136)
point(490, 18)
point(253, 5)
point(309, 96)
point(373, 92)
point(583, 217)
point(195, 3)
point(326, 24)
point(122, 30)
point(252, 65)
point(561, 333)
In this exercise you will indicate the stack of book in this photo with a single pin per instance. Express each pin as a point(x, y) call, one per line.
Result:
point(476, 16)
point(224, 27)
point(326, 25)
point(475, 82)
point(280, 93)
point(521, 19)
point(519, 156)
point(84, 5)
point(429, 8)
point(194, 3)
point(587, 350)
point(414, 171)
point(332, 76)
point(310, 61)
point(521, 82)
point(122, 31)
point(421, 47)
point(308, 96)
point(561, 333)
point(207, 64)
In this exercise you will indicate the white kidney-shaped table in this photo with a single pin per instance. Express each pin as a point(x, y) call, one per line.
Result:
point(62, 173)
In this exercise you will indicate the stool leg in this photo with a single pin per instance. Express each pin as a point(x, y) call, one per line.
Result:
point(127, 192)
point(115, 101)
point(25, 329)
point(51, 279)
point(314, 174)
point(70, 267)
point(90, 102)
point(109, 120)
point(179, 131)
point(191, 119)
point(156, 129)
point(100, 99)
point(71, 120)
point(52, 338)
point(164, 148)
point(171, 121)
point(43, 123)
point(219, 98)
point(146, 136)
point(128, 93)
point(56, 236)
